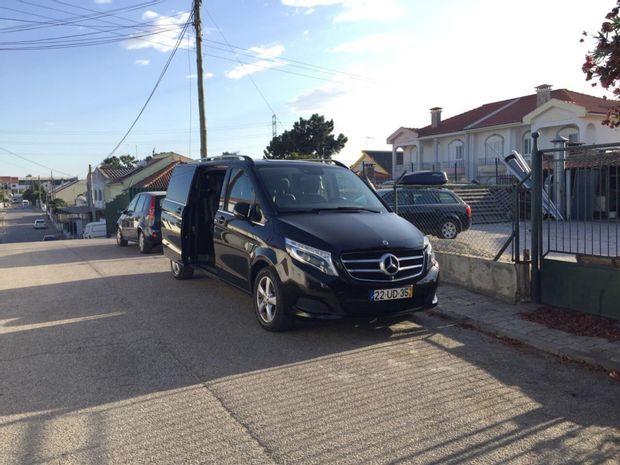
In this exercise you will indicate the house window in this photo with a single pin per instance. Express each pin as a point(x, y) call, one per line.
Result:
point(458, 152)
point(571, 133)
point(493, 148)
point(399, 158)
point(527, 143)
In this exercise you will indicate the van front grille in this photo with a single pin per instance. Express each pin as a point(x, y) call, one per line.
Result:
point(384, 266)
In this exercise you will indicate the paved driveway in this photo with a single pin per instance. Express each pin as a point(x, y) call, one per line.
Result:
point(105, 359)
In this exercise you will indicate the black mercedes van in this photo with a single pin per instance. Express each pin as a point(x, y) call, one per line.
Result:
point(305, 238)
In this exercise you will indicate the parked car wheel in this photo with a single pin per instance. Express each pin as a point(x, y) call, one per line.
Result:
point(144, 245)
point(119, 238)
point(449, 229)
point(181, 271)
point(270, 304)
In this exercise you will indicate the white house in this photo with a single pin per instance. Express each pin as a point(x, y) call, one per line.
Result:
point(467, 145)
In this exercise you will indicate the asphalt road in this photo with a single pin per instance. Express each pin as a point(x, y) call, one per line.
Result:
point(105, 359)
point(16, 224)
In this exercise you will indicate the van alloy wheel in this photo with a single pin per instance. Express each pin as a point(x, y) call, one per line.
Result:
point(181, 271)
point(270, 302)
point(266, 299)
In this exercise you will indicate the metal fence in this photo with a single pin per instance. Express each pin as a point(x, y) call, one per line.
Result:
point(498, 226)
point(584, 185)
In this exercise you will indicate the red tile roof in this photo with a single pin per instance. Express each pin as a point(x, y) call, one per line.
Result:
point(159, 180)
point(511, 111)
point(116, 173)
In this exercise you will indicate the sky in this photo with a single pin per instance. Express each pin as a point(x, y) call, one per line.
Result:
point(74, 74)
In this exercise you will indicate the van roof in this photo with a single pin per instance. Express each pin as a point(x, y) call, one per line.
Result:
point(244, 159)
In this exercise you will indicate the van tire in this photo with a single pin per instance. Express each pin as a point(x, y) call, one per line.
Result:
point(270, 302)
point(181, 271)
point(119, 238)
point(144, 244)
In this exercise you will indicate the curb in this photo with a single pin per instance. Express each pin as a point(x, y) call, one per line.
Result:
point(536, 343)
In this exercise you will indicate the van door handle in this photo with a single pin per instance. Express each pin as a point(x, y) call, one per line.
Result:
point(220, 219)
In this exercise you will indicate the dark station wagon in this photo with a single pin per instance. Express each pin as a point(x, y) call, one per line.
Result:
point(439, 212)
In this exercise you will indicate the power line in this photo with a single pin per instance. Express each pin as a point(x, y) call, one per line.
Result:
point(34, 162)
point(58, 43)
point(70, 20)
point(161, 76)
point(242, 65)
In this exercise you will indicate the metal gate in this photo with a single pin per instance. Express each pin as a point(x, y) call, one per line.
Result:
point(575, 227)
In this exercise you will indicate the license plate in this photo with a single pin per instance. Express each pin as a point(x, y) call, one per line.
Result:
point(391, 294)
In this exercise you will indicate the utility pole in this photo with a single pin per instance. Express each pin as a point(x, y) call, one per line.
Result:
point(274, 126)
point(89, 194)
point(39, 189)
point(200, 79)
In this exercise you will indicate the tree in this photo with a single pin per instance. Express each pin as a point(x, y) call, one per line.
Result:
point(124, 161)
point(603, 63)
point(309, 138)
point(55, 204)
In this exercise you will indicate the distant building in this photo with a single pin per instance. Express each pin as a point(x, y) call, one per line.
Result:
point(375, 164)
point(467, 145)
point(71, 191)
point(108, 183)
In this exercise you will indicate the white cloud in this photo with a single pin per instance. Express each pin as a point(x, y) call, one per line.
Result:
point(143, 62)
point(353, 10)
point(102, 2)
point(167, 28)
point(148, 14)
point(306, 32)
point(268, 59)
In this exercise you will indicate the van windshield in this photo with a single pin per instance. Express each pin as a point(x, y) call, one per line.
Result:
point(313, 188)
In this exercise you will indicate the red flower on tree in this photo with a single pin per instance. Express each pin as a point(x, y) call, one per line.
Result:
point(603, 63)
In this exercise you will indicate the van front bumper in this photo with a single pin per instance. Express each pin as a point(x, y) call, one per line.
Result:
point(314, 295)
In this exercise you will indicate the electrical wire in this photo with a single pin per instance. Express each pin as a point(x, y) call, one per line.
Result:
point(71, 20)
point(34, 162)
point(161, 76)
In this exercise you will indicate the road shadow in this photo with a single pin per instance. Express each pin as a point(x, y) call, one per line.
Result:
point(70, 251)
point(452, 395)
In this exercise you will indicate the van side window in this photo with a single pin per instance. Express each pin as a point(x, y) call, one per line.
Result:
point(240, 189)
point(180, 182)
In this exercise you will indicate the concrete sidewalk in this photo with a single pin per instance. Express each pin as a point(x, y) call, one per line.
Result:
point(494, 316)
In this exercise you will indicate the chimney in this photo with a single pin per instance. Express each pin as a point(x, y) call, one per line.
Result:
point(435, 117)
point(543, 94)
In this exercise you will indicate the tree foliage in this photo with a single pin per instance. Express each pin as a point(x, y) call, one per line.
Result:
point(124, 161)
point(309, 138)
point(602, 64)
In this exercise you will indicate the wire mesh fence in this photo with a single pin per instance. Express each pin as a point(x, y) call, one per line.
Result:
point(483, 221)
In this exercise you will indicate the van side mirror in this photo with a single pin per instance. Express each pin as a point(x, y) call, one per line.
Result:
point(241, 210)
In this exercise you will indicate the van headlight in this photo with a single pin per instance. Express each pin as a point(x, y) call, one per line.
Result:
point(317, 258)
point(428, 251)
